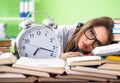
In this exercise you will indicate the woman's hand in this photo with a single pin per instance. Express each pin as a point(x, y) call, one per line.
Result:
point(70, 54)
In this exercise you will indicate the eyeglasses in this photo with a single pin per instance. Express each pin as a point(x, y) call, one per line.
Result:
point(90, 34)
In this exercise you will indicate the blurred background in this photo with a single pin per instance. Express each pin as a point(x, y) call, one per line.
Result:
point(62, 11)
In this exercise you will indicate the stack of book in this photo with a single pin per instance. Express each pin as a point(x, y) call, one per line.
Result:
point(116, 30)
point(9, 74)
point(5, 45)
point(76, 69)
point(82, 69)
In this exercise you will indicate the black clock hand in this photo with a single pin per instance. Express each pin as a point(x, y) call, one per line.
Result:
point(46, 49)
point(36, 51)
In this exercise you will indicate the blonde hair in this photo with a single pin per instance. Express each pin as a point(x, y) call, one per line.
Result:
point(107, 22)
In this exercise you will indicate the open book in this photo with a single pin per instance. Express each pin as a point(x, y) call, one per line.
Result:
point(112, 49)
point(52, 65)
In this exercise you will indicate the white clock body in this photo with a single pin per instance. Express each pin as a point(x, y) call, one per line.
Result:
point(38, 41)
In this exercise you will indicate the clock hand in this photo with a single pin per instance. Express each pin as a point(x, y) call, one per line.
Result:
point(40, 48)
point(46, 49)
point(36, 51)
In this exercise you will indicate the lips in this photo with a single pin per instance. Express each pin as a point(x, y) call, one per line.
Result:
point(84, 46)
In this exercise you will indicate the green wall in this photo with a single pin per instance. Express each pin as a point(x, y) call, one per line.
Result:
point(73, 11)
point(10, 8)
point(62, 11)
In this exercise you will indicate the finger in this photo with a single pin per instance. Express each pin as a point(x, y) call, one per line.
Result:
point(77, 54)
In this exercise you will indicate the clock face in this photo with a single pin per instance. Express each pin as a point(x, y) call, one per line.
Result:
point(38, 41)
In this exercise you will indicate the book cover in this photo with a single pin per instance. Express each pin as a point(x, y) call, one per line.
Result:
point(4, 49)
point(113, 58)
point(116, 30)
point(5, 42)
point(116, 37)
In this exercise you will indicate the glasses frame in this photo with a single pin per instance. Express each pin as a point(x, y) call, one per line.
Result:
point(93, 37)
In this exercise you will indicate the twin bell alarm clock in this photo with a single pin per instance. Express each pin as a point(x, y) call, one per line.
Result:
point(37, 40)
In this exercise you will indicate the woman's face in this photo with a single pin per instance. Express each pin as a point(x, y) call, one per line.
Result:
point(93, 37)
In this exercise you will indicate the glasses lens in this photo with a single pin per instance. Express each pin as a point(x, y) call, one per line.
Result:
point(89, 33)
point(96, 43)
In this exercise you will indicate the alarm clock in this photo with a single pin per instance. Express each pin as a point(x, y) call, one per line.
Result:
point(38, 41)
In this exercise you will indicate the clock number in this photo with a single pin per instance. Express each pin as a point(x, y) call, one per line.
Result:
point(53, 47)
point(27, 41)
point(31, 35)
point(51, 39)
point(26, 55)
point(38, 32)
point(23, 47)
point(51, 54)
point(45, 34)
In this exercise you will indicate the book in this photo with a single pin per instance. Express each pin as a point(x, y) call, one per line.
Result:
point(116, 30)
point(81, 77)
point(116, 37)
point(114, 81)
point(116, 25)
point(95, 70)
point(110, 66)
point(7, 58)
point(61, 79)
point(113, 58)
point(50, 65)
point(9, 69)
point(112, 49)
point(81, 73)
point(5, 42)
point(4, 49)
point(117, 20)
point(29, 79)
point(84, 61)
point(105, 60)
point(11, 75)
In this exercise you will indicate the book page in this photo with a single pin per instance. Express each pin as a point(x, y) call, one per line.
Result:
point(5, 55)
point(7, 58)
point(38, 62)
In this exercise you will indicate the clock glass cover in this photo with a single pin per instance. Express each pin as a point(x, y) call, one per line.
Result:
point(38, 41)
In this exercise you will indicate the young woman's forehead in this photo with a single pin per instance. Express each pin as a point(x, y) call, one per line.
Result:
point(101, 34)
